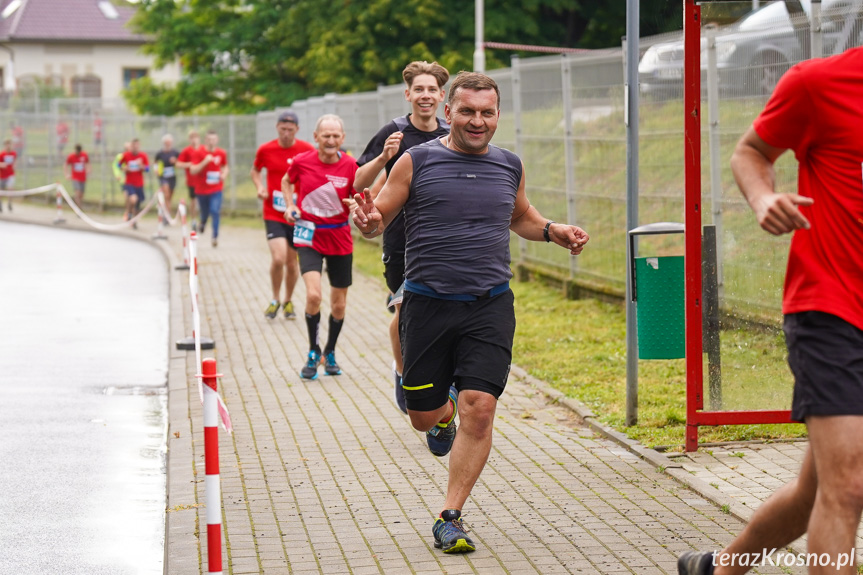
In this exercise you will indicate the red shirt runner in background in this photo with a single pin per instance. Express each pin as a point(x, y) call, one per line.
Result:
point(193, 155)
point(136, 165)
point(276, 160)
point(7, 157)
point(210, 177)
point(78, 163)
point(320, 190)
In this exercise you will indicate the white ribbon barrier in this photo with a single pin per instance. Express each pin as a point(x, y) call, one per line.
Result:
point(31, 192)
point(196, 333)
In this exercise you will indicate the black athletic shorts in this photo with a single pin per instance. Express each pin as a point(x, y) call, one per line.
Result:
point(825, 354)
point(280, 230)
point(172, 182)
point(394, 269)
point(338, 267)
point(191, 192)
point(468, 344)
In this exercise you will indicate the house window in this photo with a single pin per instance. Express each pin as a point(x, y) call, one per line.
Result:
point(130, 74)
point(89, 86)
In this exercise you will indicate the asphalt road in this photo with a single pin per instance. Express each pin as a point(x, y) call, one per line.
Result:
point(83, 364)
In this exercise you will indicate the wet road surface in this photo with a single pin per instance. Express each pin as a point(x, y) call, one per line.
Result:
point(83, 364)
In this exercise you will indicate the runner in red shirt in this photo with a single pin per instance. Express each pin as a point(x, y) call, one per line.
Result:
point(816, 111)
point(211, 171)
point(191, 154)
point(76, 169)
point(321, 181)
point(275, 156)
point(134, 163)
point(7, 170)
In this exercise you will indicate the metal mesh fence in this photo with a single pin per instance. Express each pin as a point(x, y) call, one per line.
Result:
point(564, 115)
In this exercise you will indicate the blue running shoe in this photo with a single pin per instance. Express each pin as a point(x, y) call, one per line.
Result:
point(310, 370)
point(450, 534)
point(399, 391)
point(440, 437)
point(330, 365)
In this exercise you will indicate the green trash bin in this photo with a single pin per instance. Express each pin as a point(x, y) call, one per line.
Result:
point(660, 310)
point(658, 290)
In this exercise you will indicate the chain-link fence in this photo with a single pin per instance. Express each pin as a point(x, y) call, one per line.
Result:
point(564, 115)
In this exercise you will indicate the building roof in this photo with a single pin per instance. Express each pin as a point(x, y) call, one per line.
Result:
point(67, 21)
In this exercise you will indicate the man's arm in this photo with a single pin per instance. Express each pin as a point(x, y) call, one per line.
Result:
point(197, 168)
point(367, 173)
point(372, 216)
point(528, 223)
point(255, 175)
point(752, 165)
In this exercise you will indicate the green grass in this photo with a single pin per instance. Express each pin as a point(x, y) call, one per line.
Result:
point(579, 347)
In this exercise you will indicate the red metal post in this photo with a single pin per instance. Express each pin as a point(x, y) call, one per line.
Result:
point(692, 215)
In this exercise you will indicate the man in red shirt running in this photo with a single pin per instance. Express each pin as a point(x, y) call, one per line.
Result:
point(815, 111)
point(191, 154)
point(7, 170)
point(134, 163)
point(321, 181)
point(76, 169)
point(275, 156)
point(212, 170)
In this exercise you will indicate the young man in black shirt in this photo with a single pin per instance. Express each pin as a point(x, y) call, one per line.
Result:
point(425, 91)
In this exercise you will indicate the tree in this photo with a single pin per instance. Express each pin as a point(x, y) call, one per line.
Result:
point(247, 55)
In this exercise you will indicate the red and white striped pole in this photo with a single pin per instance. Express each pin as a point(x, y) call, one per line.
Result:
point(182, 210)
point(59, 219)
point(211, 460)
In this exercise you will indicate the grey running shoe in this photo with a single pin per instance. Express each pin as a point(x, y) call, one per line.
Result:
point(310, 370)
point(695, 563)
point(450, 534)
point(330, 365)
point(440, 438)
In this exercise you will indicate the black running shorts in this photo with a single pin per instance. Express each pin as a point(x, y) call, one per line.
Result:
point(280, 230)
point(468, 344)
point(825, 354)
point(339, 268)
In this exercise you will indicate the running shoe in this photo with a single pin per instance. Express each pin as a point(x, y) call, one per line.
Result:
point(399, 391)
point(215, 242)
point(440, 437)
point(272, 309)
point(695, 563)
point(450, 534)
point(310, 370)
point(289, 311)
point(330, 365)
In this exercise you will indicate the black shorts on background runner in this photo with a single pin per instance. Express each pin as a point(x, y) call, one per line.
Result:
point(394, 269)
point(825, 354)
point(339, 268)
point(469, 343)
point(279, 230)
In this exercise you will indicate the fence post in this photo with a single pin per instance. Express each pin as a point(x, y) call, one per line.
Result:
point(630, 90)
point(232, 161)
point(714, 147)
point(380, 101)
point(519, 149)
point(569, 156)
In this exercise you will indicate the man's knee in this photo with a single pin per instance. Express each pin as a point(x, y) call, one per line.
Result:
point(313, 299)
point(476, 410)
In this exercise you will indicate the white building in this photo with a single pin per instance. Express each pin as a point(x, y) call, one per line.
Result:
point(84, 46)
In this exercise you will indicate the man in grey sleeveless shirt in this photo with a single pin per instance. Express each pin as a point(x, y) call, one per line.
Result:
point(461, 197)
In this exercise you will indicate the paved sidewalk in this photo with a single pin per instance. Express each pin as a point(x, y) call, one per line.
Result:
point(326, 476)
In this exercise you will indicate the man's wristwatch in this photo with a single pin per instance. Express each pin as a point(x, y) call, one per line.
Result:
point(545, 230)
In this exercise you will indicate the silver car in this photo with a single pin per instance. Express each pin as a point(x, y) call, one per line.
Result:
point(754, 52)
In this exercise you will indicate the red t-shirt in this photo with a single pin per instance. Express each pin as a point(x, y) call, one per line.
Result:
point(817, 111)
point(194, 155)
point(79, 166)
point(276, 159)
point(8, 158)
point(210, 176)
point(320, 189)
point(136, 165)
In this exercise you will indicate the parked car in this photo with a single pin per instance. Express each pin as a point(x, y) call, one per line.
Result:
point(754, 52)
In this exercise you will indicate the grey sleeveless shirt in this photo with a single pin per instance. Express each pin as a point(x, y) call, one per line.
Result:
point(457, 218)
